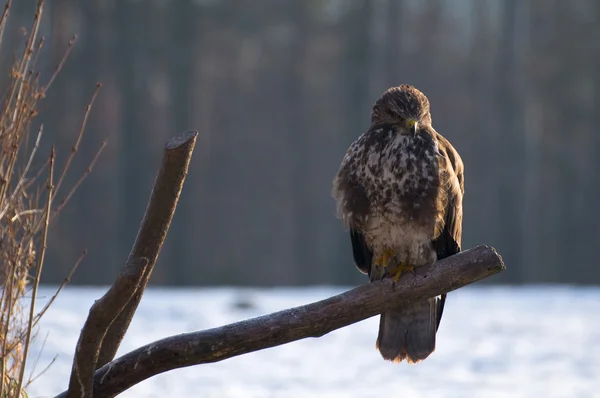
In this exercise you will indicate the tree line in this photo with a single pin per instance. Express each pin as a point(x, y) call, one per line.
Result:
point(278, 90)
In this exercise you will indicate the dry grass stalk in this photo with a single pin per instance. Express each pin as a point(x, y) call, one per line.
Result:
point(26, 204)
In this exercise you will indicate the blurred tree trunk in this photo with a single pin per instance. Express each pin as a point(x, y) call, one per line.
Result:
point(355, 33)
point(481, 197)
point(281, 87)
point(206, 83)
point(132, 162)
point(184, 42)
point(544, 37)
point(592, 173)
point(565, 102)
point(55, 120)
point(68, 98)
point(304, 263)
point(215, 250)
point(395, 57)
point(531, 125)
point(96, 43)
point(511, 146)
point(580, 75)
point(376, 72)
point(108, 115)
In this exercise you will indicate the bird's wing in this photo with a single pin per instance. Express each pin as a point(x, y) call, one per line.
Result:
point(362, 253)
point(448, 241)
point(353, 203)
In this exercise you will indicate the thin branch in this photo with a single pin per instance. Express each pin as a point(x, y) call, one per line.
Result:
point(62, 285)
point(41, 170)
point(109, 318)
point(17, 189)
point(36, 53)
point(39, 315)
point(37, 359)
point(26, 213)
point(27, 53)
point(29, 161)
point(38, 272)
point(75, 147)
point(311, 320)
point(4, 18)
point(66, 199)
point(60, 65)
point(6, 322)
point(34, 378)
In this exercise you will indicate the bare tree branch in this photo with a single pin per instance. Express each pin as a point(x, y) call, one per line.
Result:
point(312, 320)
point(109, 317)
point(102, 314)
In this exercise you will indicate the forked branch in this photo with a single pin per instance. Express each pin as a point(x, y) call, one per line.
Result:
point(109, 317)
point(312, 320)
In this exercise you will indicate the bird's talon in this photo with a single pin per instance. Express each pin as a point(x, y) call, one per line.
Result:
point(402, 268)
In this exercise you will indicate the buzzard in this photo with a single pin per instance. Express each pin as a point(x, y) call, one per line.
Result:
point(399, 191)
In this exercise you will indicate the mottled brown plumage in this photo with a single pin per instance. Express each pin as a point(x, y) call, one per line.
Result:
point(399, 190)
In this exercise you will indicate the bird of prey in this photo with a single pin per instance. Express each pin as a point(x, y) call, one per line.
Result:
point(399, 191)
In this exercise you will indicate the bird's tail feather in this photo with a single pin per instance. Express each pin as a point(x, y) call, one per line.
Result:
point(408, 332)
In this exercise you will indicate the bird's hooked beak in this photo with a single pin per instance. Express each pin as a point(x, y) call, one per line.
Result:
point(412, 125)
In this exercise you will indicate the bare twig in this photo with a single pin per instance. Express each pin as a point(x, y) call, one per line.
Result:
point(60, 65)
point(18, 188)
point(38, 271)
point(66, 199)
point(75, 147)
point(34, 378)
point(4, 18)
point(40, 314)
point(26, 213)
point(36, 176)
point(62, 285)
point(5, 324)
point(24, 221)
point(28, 52)
point(312, 320)
point(37, 359)
point(109, 320)
point(37, 52)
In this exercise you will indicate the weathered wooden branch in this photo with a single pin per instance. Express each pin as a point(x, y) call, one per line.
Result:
point(312, 320)
point(110, 316)
point(102, 314)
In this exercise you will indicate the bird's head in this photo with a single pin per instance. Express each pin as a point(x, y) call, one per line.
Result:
point(403, 106)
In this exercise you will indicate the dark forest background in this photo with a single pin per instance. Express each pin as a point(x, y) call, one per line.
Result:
point(280, 88)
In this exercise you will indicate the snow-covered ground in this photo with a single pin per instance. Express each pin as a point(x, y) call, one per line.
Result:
point(493, 342)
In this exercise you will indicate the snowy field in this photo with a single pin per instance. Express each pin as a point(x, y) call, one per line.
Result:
point(493, 342)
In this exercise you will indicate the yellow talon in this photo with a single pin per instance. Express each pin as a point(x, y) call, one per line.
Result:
point(395, 268)
point(402, 268)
